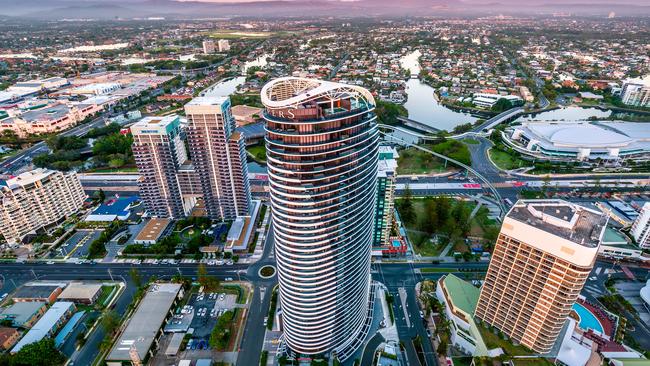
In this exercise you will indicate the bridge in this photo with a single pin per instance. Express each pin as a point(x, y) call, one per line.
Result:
point(469, 169)
point(417, 125)
point(505, 116)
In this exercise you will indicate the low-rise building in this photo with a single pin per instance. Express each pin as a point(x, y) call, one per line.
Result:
point(152, 231)
point(47, 326)
point(35, 291)
point(23, 314)
point(53, 117)
point(488, 100)
point(116, 208)
point(8, 337)
point(460, 299)
point(140, 337)
point(81, 293)
point(37, 199)
point(241, 231)
point(244, 114)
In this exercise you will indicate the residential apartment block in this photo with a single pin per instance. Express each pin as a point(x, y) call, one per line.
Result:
point(385, 204)
point(197, 168)
point(542, 258)
point(636, 92)
point(37, 199)
point(159, 151)
point(641, 227)
point(218, 154)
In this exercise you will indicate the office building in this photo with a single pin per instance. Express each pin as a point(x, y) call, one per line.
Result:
point(641, 227)
point(159, 151)
point(37, 199)
point(224, 45)
point(542, 258)
point(208, 46)
point(636, 92)
point(322, 152)
point(385, 205)
point(218, 155)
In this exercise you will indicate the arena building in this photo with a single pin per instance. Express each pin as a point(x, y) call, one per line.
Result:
point(581, 140)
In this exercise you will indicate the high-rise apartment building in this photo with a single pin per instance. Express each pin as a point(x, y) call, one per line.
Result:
point(641, 227)
point(218, 155)
point(322, 152)
point(37, 199)
point(208, 46)
point(224, 45)
point(542, 258)
point(386, 174)
point(159, 151)
point(636, 92)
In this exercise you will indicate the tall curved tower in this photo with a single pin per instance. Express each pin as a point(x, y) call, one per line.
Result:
point(322, 152)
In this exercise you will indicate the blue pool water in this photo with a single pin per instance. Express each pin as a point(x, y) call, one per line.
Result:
point(587, 319)
point(396, 243)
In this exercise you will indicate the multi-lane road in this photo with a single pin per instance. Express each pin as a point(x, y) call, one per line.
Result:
point(24, 157)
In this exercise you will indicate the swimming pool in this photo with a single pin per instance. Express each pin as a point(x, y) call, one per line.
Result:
point(397, 243)
point(587, 319)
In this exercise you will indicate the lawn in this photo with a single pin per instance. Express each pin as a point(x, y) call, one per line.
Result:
point(438, 270)
point(531, 362)
point(258, 151)
point(494, 341)
point(224, 33)
point(506, 161)
point(414, 161)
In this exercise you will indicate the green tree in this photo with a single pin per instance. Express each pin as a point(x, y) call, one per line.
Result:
point(110, 321)
point(42, 353)
point(501, 105)
point(407, 212)
point(209, 283)
point(101, 195)
point(135, 276)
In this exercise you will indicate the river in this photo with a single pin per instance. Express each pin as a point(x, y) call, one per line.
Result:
point(228, 86)
point(421, 104)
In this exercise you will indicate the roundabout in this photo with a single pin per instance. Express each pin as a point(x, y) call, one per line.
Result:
point(266, 272)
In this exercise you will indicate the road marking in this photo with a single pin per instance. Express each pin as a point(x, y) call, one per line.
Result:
point(598, 270)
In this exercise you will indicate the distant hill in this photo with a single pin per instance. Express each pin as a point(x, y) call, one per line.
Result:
point(59, 9)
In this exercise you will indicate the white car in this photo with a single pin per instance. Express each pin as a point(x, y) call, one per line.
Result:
point(221, 297)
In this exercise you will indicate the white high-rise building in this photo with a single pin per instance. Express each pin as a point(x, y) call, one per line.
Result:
point(208, 46)
point(37, 199)
point(636, 92)
point(322, 153)
point(641, 227)
point(224, 45)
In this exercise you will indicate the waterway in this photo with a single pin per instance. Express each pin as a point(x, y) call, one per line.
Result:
point(228, 86)
point(421, 104)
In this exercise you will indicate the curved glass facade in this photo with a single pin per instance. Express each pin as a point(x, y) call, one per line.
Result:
point(322, 152)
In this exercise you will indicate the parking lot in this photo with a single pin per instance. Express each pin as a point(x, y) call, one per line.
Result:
point(207, 307)
point(78, 244)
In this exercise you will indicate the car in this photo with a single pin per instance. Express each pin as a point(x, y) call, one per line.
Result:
point(4, 296)
point(49, 262)
point(229, 263)
point(222, 296)
point(228, 279)
point(266, 320)
point(421, 314)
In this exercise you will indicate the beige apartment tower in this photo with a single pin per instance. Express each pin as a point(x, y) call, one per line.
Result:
point(218, 155)
point(37, 199)
point(542, 258)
